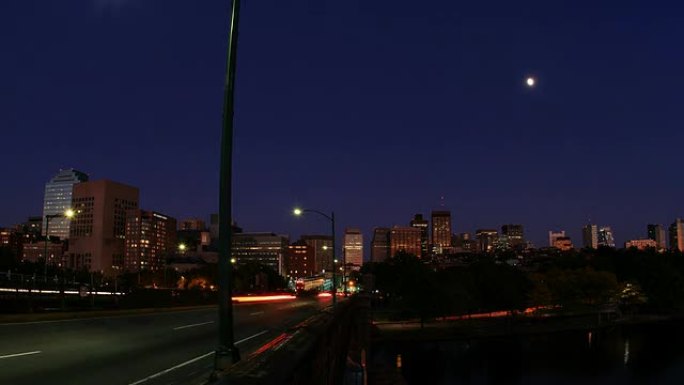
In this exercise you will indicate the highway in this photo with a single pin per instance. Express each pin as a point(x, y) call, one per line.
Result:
point(160, 348)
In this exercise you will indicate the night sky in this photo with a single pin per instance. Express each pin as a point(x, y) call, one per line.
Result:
point(374, 109)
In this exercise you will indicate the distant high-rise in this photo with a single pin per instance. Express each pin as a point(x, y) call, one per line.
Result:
point(590, 236)
point(299, 260)
point(98, 230)
point(657, 233)
point(605, 237)
point(322, 251)
point(486, 240)
point(563, 243)
point(641, 244)
point(555, 235)
point(405, 240)
point(441, 230)
point(677, 235)
point(353, 247)
point(58, 193)
point(422, 224)
point(380, 245)
point(267, 249)
point(192, 224)
point(514, 234)
point(150, 240)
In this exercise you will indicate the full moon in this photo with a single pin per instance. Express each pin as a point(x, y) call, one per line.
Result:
point(530, 82)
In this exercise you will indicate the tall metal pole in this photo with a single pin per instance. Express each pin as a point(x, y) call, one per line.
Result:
point(226, 352)
point(45, 254)
point(334, 270)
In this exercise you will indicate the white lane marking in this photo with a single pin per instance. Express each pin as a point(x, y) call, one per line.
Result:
point(20, 354)
point(186, 363)
point(250, 337)
point(113, 316)
point(192, 325)
point(257, 313)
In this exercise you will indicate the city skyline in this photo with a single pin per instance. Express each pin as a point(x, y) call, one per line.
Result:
point(460, 103)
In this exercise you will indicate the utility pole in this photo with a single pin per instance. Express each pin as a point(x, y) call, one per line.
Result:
point(226, 352)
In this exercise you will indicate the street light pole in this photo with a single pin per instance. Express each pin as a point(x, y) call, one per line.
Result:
point(331, 218)
point(226, 351)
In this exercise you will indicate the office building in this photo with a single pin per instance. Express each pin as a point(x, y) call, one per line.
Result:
point(420, 223)
point(150, 240)
point(35, 252)
point(677, 235)
point(441, 230)
point(299, 260)
point(563, 243)
point(641, 244)
point(555, 235)
point(657, 233)
point(380, 245)
point(322, 251)
point(98, 230)
point(57, 200)
point(487, 239)
point(405, 240)
point(267, 249)
point(590, 236)
point(192, 224)
point(514, 236)
point(605, 237)
point(353, 248)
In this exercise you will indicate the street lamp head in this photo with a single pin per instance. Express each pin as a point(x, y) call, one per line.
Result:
point(325, 247)
point(182, 247)
point(69, 213)
point(297, 211)
point(233, 260)
point(336, 261)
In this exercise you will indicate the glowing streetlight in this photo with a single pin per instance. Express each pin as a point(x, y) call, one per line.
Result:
point(69, 213)
point(182, 247)
point(530, 81)
point(233, 260)
point(297, 212)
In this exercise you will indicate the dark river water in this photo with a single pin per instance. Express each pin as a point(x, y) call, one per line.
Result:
point(642, 354)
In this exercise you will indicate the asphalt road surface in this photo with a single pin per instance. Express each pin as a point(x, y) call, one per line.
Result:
point(162, 348)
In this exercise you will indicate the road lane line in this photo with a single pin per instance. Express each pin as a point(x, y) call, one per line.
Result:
point(257, 313)
point(20, 354)
point(250, 337)
point(192, 325)
point(186, 363)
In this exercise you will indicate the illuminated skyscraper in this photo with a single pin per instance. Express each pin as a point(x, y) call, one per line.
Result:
point(441, 230)
point(486, 240)
point(553, 236)
point(677, 235)
point(353, 247)
point(605, 237)
point(57, 200)
point(406, 240)
point(422, 224)
point(657, 233)
point(322, 251)
point(299, 260)
point(590, 236)
point(514, 235)
point(380, 245)
point(98, 230)
point(150, 240)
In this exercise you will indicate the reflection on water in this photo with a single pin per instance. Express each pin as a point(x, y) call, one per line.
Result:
point(644, 354)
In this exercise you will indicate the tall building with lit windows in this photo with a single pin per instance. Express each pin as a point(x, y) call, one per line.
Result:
point(424, 226)
point(322, 251)
point(405, 240)
point(150, 240)
point(657, 233)
point(353, 248)
point(487, 239)
point(98, 229)
point(264, 248)
point(605, 237)
point(677, 235)
point(441, 230)
point(514, 234)
point(590, 236)
point(380, 245)
point(299, 260)
point(57, 199)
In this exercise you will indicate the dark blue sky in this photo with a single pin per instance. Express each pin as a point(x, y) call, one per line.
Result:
point(375, 109)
